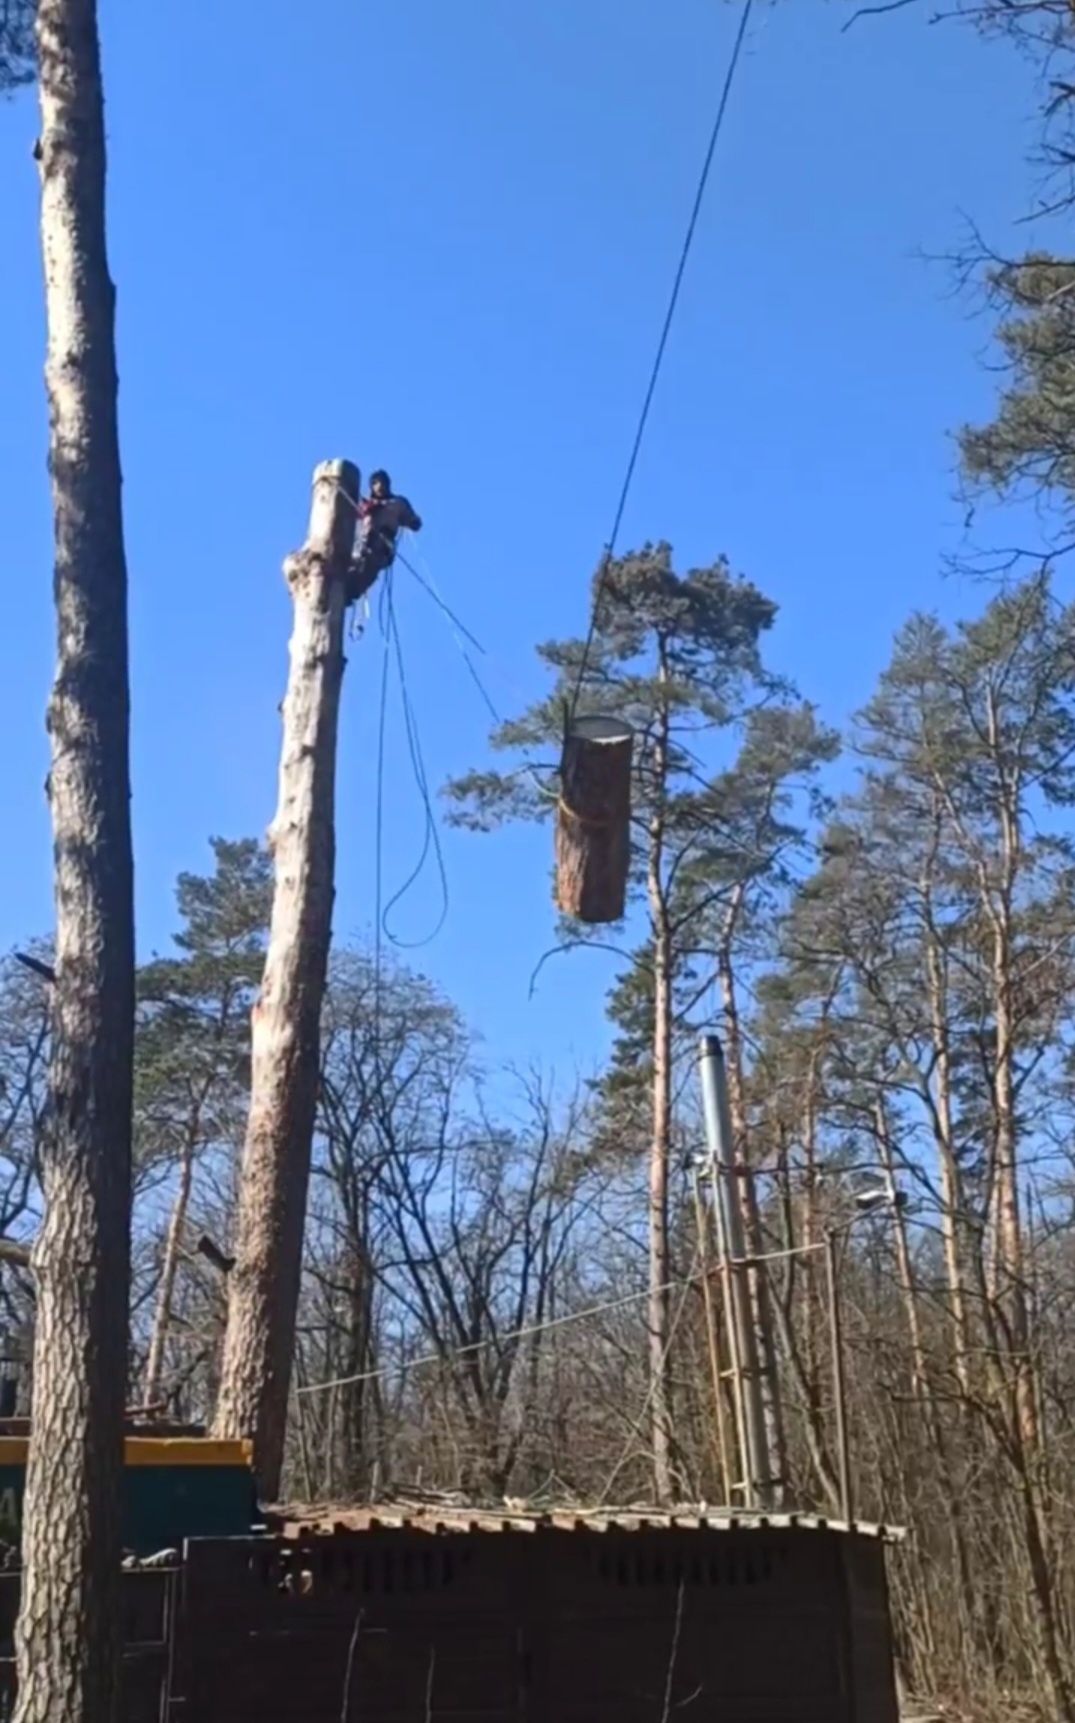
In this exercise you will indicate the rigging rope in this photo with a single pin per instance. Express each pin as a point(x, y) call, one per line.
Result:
point(461, 634)
point(651, 389)
point(440, 601)
point(393, 648)
point(393, 651)
point(459, 630)
point(431, 837)
point(378, 849)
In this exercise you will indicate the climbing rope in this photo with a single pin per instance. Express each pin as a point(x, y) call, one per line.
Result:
point(431, 837)
point(393, 653)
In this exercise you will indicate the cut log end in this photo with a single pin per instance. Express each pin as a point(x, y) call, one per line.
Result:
point(593, 827)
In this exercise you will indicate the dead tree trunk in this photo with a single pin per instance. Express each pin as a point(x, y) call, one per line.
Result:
point(173, 1245)
point(66, 1640)
point(660, 1329)
point(263, 1289)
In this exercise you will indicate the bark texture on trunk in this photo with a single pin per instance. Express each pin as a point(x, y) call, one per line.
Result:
point(760, 1298)
point(593, 831)
point(659, 1256)
point(66, 1639)
point(954, 1210)
point(660, 1332)
point(263, 1288)
point(173, 1245)
point(1009, 1269)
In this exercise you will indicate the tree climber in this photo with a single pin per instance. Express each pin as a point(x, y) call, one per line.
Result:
point(381, 517)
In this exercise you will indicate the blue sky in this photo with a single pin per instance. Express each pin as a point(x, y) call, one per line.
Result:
point(438, 235)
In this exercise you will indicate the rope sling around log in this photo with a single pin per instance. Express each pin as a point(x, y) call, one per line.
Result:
point(593, 822)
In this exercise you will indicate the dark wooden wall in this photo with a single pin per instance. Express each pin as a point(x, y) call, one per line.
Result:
point(541, 1627)
point(757, 1626)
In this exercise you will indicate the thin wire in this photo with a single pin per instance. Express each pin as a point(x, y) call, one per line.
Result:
point(378, 841)
point(677, 1629)
point(431, 836)
point(533, 1328)
point(482, 690)
point(456, 625)
point(441, 602)
point(390, 635)
point(351, 1649)
point(525, 1333)
point(461, 633)
point(655, 1380)
point(610, 547)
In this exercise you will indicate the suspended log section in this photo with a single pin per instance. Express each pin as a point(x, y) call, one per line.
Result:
point(593, 828)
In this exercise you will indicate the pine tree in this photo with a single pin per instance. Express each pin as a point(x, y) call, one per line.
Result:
point(935, 948)
point(677, 657)
point(1029, 446)
point(193, 1048)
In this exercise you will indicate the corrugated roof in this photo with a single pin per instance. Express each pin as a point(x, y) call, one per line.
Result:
point(322, 1520)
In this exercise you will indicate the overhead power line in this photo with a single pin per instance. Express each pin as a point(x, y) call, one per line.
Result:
point(666, 330)
point(404, 1367)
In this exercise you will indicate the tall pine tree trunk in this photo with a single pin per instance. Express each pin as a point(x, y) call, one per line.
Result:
point(66, 1639)
point(661, 1141)
point(263, 1287)
point(922, 1387)
point(954, 1209)
point(173, 1245)
point(659, 1263)
point(1008, 1264)
point(760, 1299)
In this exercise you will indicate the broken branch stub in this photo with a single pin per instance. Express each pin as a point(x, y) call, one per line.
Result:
point(593, 826)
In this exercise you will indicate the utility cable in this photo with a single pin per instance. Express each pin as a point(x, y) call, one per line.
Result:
point(666, 330)
point(530, 1329)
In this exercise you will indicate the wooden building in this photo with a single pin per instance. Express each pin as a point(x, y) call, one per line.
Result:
point(412, 1615)
point(404, 1615)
